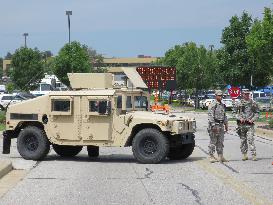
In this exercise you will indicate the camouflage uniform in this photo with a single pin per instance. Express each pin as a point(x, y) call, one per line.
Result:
point(247, 110)
point(217, 120)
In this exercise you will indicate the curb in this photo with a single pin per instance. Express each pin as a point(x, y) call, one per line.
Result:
point(5, 167)
point(264, 132)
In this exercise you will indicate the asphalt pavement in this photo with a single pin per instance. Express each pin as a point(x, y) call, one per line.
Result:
point(116, 178)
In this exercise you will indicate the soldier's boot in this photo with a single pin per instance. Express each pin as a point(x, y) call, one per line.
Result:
point(254, 157)
point(245, 157)
point(212, 159)
point(222, 158)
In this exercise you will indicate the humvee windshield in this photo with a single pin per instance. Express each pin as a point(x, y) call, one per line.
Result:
point(139, 102)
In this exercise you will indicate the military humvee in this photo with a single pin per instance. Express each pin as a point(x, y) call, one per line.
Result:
point(96, 114)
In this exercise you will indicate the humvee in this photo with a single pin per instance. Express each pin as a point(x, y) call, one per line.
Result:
point(97, 114)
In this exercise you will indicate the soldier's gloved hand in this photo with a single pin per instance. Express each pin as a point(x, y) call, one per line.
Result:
point(226, 127)
point(250, 121)
point(214, 128)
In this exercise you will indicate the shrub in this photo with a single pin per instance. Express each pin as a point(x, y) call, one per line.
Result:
point(2, 117)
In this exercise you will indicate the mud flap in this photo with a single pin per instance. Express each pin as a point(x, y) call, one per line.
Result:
point(6, 143)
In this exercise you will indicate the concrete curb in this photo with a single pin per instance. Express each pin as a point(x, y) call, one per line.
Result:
point(5, 167)
point(264, 132)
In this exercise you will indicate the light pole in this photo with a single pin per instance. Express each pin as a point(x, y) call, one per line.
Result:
point(211, 47)
point(68, 13)
point(25, 35)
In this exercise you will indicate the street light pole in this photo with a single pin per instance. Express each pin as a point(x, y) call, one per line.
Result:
point(68, 13)
point(211, 47)
point(25, 35)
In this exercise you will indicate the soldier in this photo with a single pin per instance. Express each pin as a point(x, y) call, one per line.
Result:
point(247, 112)
point(217, 123)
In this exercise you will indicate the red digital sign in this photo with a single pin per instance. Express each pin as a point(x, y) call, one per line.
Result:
point(163, 78)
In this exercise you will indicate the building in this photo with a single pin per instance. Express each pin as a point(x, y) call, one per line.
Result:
point(6, 66)
point(129, 62)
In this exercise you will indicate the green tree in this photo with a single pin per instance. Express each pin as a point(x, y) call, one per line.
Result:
point(196, 67)
point(8, 56)
point(27, 69)
point(96, 61)
point(72, 57)
point(235, 62)
point(260, 45)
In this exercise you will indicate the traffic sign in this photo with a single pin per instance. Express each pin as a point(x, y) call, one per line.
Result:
point(234, 92)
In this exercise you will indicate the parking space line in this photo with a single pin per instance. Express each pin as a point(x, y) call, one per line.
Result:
point(241, 188)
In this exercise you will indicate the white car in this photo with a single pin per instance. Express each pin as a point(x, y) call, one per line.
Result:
point(229, 103)
point(9, 99)
point(205, 103)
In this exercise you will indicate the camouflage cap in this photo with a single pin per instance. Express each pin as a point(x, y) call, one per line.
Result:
point(246, 92)
point(218, 92)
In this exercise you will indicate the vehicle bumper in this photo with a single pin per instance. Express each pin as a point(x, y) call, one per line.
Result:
point(7, 136)
point(187, 138)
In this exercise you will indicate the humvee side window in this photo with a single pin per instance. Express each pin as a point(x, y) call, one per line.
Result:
point(60, 105)
point(140, 101)
point(101, 107)
point(128, 102)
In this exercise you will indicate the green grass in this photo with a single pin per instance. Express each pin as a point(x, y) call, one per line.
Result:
point(2, 127)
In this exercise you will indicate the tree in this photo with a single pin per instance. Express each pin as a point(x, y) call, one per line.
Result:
point(235, 62)
point(196, 67)
point(260, 45)
point(96, 61)
point(27, 68)
point(72, 57)
point(8, 56)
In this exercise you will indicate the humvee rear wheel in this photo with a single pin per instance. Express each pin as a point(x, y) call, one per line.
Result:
point(67, 150)
point(93, 151)
point(32, 143)
point(181, 151)
point(150, 146)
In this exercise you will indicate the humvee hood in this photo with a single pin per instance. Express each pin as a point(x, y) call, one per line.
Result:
point(157, 116)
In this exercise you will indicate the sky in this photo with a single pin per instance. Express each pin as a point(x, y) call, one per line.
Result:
point(119, 28)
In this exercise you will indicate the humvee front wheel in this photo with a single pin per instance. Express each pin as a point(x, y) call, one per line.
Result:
point(150, 146)
point(93, 151)
point(67, 150)
point(181, 151)
point(32, 143)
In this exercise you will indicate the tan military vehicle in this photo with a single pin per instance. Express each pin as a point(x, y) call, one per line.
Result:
point(96, 114)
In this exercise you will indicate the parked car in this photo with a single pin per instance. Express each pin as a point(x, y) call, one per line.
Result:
point(204, 104)
point(9, 99)
point(43, 89)
point(229, 103)
point(264, 103)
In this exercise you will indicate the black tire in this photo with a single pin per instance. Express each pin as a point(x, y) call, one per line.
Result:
point(150, 146)
point(32, 143)
point(67, 150)
point(181, 151)
point(93, 151)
